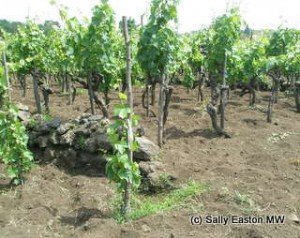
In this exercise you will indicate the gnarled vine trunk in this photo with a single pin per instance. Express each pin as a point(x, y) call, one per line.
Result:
point(22, 79)
point(200, 77)
point(272, 99)
point(223, 103)
point(212, 105)
point(36, 92)
point(91, 93)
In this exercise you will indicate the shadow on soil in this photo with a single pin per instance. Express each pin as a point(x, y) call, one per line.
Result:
point(83, 214)
point(175, 133)
point(235, 104)
point(4, 187)
point(189, 112)
point(254, 122)
point(89, 170)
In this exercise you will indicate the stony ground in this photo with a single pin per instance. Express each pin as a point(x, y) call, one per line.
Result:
point(256, 172)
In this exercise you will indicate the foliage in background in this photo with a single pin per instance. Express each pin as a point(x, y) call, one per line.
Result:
point(29, 47)
point(192, 58)
point(99, 46)
point(159, 45)
point(246, 61)
point(224, 33)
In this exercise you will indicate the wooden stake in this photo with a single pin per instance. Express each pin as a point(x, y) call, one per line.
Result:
point(161, 112)
point(128, 188)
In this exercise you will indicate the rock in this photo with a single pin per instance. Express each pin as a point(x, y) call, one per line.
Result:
point(68, 157)
point(37, 117)
point(293, 217)
point(91, 145)
point(22, 107)
point(104, 122)
point(24, 116)
point(95, 118)
point(79, 142)
point(42, 128)
point(67, 138)
point(54, 139)
point(49, 154)
point(88, 159)
point(42, 141)
point(102, 141)
point(76, 121)
point(98, 141)
point(84, 118)
point(140, 131)
point(159, 180)
point(146, 228)
point(83, 130)
point(84, 121)
point(154, 177)
point(94, 126)
point(85, 115)
point(32, 138)
point(54, 123)
point(148, 167)
point(147, 149)
point(64, 128)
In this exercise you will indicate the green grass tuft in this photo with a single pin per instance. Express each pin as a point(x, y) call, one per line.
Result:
point(144, 206)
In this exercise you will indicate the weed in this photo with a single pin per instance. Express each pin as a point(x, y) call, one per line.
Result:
point(155, 185)
point(46, 117)
point(276, 137)
point(244, 200)
point(256, 107)
point(147, 205)
point(81, 142)
point(241, 199)
point(81, 91)
point(32, 123)
point(76, 198)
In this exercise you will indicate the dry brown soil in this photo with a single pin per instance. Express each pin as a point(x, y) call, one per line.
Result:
point(249, 174)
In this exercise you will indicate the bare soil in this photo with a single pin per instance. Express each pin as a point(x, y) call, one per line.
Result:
point(254, 173)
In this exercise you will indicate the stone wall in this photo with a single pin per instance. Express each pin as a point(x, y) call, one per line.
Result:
point(82, 144)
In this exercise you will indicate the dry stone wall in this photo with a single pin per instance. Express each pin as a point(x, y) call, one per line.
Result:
point(82, 143)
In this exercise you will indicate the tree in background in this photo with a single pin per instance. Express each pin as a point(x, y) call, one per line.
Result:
point(276, 53)
point(98, 54)
point(10, 26)
point(224, 33)
point(29, 51)
point(158, 53)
